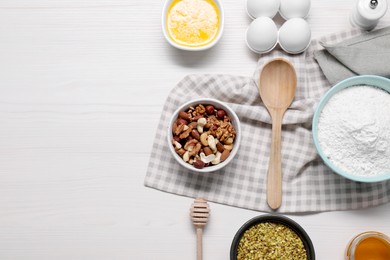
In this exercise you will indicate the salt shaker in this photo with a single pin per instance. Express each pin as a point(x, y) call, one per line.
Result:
point(366, 13)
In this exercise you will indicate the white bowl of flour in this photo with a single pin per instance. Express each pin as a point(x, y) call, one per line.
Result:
point(351, 128)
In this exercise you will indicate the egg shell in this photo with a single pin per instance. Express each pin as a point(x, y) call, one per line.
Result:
point(258, 8)
point(262, 35)
point(294, 36)
point(294, 8)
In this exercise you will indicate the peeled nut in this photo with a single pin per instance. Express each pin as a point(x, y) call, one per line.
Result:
point(201, 123)
point(177, 145)
point(186, 156)
point(228, 147)
point(217, 158)
point(203, 139)
point(229, 140)
point(208, 158)
point(211, 142)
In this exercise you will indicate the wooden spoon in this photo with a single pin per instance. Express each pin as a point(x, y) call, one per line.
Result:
point(199, 216)
point(277, 86)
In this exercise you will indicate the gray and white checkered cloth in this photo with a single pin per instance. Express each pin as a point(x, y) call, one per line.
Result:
point(308, 185)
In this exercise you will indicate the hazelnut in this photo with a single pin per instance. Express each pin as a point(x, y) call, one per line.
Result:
point(210, 109)
point(221, 113)
point(199, 164)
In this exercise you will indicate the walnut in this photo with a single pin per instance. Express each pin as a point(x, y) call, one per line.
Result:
point(180, 151)
point(186, 133)
point(224, 136)
point(199, 110)
point(179, 129)
point(231, 130)
point(195, 150)
point(189, 146)
point(212, 120)
point(219, 133)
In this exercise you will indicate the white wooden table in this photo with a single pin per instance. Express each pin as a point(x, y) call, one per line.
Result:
point(82, 85)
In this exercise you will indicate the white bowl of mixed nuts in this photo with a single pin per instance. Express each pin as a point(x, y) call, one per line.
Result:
point(204, 135)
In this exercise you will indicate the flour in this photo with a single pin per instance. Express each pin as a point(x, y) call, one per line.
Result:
point(354, 130)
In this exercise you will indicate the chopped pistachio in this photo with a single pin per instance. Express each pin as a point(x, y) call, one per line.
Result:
point(267, 241)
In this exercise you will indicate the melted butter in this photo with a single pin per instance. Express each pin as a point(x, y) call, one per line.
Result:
point(193, 23)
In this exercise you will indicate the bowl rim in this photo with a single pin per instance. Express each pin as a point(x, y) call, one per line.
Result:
point(187, 48)
point(275, 218)
point(235, 122)
point(371, 80)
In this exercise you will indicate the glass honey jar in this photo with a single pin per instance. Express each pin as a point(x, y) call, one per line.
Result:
point(370, 245)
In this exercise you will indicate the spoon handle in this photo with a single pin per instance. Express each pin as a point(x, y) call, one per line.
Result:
point(199, 234)
point(274, 178)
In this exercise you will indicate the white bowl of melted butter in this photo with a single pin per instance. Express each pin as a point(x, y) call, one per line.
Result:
point(192, 25)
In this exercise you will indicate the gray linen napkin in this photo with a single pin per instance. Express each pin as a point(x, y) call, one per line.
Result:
point(308, 185)
point(368, 53)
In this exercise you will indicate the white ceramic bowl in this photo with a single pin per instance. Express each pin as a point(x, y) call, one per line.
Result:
point(187, 48)
point(218, 105)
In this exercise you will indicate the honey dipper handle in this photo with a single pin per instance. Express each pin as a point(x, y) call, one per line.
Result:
point(274, 178)
point(199, 233)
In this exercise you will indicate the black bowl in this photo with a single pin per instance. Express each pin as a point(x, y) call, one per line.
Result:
point(274, 219)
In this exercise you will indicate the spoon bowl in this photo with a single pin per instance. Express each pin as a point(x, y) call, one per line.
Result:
point(277, 87)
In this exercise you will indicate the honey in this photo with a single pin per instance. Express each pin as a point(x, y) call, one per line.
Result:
point(369, 246)
point(372, 248)
point(193, 23)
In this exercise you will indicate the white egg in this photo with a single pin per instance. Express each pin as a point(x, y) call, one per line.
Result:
point(294, 8)
point(294, 35)
point(258, 8)
point(262, 35)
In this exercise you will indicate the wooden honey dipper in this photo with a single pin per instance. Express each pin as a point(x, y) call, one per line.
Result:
point(199, 216)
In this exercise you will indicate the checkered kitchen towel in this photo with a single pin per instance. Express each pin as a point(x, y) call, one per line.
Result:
point(308, 185)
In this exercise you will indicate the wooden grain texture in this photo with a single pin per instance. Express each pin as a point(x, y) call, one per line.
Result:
point(82, 85)
point(277, 86)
